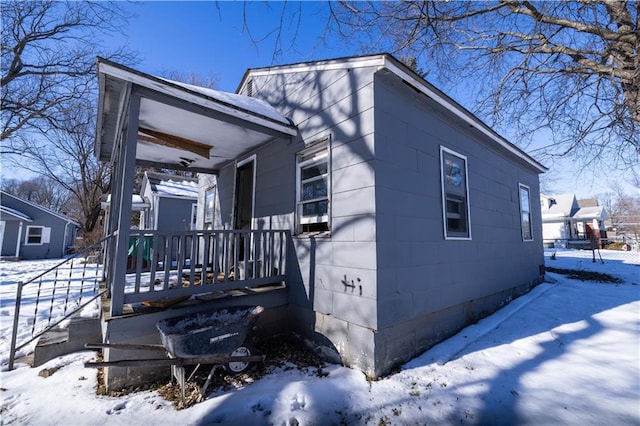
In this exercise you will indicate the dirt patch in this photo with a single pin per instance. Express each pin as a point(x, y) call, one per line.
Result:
point(586, 275)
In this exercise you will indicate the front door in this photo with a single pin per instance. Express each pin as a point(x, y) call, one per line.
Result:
point(244, 198)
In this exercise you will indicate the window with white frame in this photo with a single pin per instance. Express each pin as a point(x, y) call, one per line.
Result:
point(209, 207)
point(455, 195)
point(312, 188)
point(37, 235)
point(525, 212)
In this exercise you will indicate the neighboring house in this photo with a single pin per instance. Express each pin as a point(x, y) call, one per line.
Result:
point(407, 217)
point(30, 231)
point(564, 219)
point(172, 202)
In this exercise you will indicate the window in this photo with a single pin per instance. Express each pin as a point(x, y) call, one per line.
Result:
point(312, 177)
point(525, 213)
point(455, 195)
point(209, 207)
point(37, 235)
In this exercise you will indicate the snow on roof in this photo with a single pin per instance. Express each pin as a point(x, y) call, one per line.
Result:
point(596, 212)
point(16, 213)
point(588, 202)
point(565, 206)
point(193, 114)
point(562, 206)
point(257, 106)
point(172, 185)
point(44, 209)
point(137, 203)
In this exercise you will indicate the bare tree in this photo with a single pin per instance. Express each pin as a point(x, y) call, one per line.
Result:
point(624, 212)
point(48, 87)
point(49, 53)
point(569, 69)
point(67, 158)
point(40, 190)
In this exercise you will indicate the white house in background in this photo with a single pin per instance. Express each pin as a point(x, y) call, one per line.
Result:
point(564, 218)
point(172, 202)
point(30, 231)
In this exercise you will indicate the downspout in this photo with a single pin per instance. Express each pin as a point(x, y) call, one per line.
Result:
point(19, 239)
point(155, 205)
point(64, 240)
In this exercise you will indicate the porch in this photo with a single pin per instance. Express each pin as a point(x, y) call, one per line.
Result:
point(174, 274)
point(146, 121)
point(165, 269)
point(153, 122)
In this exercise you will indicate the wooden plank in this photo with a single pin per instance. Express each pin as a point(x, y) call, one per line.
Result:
point(172, 141)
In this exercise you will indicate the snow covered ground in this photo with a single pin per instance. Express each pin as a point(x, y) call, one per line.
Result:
point(566, 353)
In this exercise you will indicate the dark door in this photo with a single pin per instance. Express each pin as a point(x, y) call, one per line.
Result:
point(244, 201)
point(244, 196)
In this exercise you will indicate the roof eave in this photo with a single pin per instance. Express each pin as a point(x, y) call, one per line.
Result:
point(106, 67)
point(458, 110)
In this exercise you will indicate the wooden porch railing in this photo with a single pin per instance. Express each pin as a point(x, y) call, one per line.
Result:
point(161, 265)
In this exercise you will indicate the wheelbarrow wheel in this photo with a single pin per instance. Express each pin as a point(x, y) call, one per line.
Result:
point(240, 366)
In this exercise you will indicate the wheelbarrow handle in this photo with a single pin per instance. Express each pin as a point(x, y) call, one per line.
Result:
point(211, 359)
point(126, 346)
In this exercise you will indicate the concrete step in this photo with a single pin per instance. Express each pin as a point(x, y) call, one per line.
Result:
point(62, 341)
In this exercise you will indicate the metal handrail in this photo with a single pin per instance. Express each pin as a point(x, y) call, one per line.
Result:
point(14, 347)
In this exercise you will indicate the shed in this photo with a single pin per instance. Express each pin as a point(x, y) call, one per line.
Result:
point(172, 202)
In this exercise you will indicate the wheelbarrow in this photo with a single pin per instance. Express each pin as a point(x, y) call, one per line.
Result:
point(217, 337)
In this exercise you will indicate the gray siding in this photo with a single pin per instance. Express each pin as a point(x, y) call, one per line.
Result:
point(338, 104)
point(174, 214)
point(385, 284)
point(419, 272)
point(10, 238)
point(62, 236)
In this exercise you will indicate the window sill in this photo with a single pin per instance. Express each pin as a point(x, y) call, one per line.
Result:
point(323, 235)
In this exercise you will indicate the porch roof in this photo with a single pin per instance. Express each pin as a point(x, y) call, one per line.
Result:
point(181, 126)
point(13, 214)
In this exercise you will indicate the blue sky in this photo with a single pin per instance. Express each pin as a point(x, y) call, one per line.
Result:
point(211, 39)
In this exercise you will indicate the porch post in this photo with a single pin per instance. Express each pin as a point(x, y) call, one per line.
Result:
point(19, 240)
point(116, 182)
point(114, 207)
point(124, 186)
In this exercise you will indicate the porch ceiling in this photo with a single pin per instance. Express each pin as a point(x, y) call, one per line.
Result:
point(182, 126)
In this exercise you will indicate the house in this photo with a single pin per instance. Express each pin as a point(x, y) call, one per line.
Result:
point(30, 231)
point(569, 222)
point(391, 215)
point(172, 202)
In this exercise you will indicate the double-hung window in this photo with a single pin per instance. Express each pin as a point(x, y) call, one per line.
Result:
point(313, 183)
point(455, 195)
point(37, 235)
point(525, 212)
